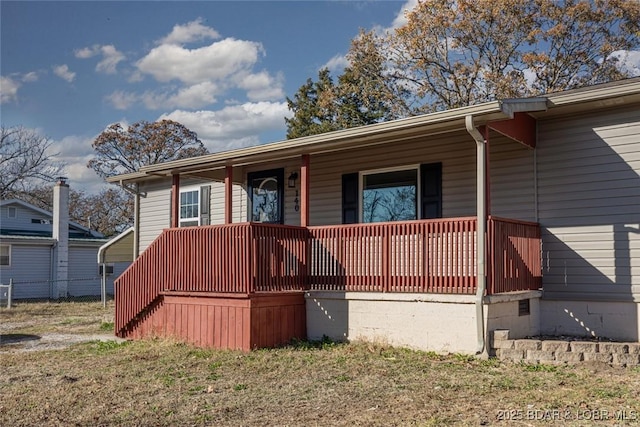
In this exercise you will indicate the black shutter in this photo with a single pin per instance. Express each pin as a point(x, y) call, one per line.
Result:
point(205, 205)
point(350, 198)
point(431, 187)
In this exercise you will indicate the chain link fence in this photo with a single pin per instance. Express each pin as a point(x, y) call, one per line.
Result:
point(85, 289)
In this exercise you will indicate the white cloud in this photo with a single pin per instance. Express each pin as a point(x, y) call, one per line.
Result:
point(30, 77)
point(337, 64)
point(262, 86)
point(628, 61)
point(86, 52)
point(401, 18)
point(122, 100)
point(189, 32)
point(110, 57)
point(8, 89)
point(214, 62)
point(74, 152)
point(196, 96)
point(234, 126)
point(63, 72)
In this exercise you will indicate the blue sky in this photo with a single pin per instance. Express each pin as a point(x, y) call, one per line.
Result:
point(222, 68)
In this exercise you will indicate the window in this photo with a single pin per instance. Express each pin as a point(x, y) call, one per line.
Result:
point(12, 212)
point(390, 195)
point(189, 208)
point(108, 270)
point(398, 194)
point(5, 255)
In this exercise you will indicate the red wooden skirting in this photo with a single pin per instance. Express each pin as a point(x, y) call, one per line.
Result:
point(237, 322)
point(515, 262)
point(416, 256)
point(234, 259)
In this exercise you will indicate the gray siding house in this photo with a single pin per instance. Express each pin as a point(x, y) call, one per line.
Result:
point(48, 256)
point(428, 232)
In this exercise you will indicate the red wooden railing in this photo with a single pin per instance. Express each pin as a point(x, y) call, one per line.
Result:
point(435, 256)
point(514, 256)
point(237, 259)
point(416, 256)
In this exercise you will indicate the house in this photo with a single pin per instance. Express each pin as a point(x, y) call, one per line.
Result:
point(427, 232)
point(48, 256)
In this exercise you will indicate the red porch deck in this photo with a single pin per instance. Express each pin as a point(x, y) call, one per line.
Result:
point(241, 285)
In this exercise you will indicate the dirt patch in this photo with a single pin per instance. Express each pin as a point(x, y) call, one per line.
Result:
point(47, 341)
point(35, 326)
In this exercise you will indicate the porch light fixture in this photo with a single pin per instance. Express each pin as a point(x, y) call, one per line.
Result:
point(292, 179)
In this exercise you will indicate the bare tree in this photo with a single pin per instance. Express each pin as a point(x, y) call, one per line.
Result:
point(25, 161)
point(454, 53)
point(120, 150)
point(108, 212)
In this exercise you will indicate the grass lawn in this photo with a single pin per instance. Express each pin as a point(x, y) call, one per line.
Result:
point(159, 382)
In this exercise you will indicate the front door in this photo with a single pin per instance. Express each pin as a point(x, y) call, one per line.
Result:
point(266, 194)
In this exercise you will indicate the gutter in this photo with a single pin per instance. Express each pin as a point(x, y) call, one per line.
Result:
point(481, 240)
point(508, 107)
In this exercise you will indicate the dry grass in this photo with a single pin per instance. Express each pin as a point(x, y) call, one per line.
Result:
point(158, 382)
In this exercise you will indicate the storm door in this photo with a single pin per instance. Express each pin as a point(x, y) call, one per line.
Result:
point(266, 194)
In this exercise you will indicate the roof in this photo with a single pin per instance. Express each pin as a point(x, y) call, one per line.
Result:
point(48, 240)
point(118, 249)
point(596, 96)
point(93, 234)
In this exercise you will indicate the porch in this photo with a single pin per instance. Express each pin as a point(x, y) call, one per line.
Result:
point(243, 285)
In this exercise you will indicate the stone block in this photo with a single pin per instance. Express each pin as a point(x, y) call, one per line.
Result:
point(570, 357)
point(613, 347)
point(598, 357)
point(528, 345)
point(626, 359)
point(500, 335)
point(510, 354)
point(634, 348)
point(539, 355)
point(503, 344)
point(556, 346)
point(584, 347)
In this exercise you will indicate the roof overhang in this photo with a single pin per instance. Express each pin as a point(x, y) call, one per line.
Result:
point(118, 249)
point(514, 118)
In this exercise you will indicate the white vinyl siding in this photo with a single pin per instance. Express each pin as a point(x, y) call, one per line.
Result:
point(154, 211)
point(155, 208)
point(30, 270)
point(238, 201)
point(23, 219)
point(84, 278)
point(512, 172)
point(589, 205)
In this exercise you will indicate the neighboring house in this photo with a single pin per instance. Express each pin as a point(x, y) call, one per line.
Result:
point(428, 232)
point(48, 256)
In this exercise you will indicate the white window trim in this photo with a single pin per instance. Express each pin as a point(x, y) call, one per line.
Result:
point(362, 174)
point(189, 189)
point(7, 265)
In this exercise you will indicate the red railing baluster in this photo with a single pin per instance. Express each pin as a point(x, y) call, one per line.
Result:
point(418, 256)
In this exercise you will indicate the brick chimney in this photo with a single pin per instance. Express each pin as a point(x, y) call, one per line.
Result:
point(61, 235)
